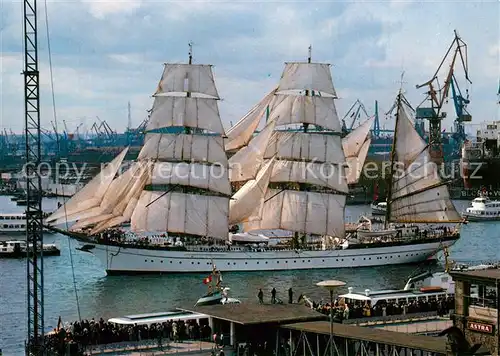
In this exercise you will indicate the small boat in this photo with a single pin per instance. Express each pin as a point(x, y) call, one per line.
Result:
point(217, 294)
point(483, 209)
point(379, 208)
point(17, 249)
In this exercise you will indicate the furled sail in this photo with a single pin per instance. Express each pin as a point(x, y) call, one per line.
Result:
point(90, 196)
point(240, 134)
point(417, 192)
point(307, 186)
point(356, 146)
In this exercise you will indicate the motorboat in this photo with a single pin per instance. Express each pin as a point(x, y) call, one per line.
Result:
point(217, 294)
point(483, 209)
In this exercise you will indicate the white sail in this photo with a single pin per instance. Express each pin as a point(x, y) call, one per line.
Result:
point(312, 147)
point(192, 214)
point(183, 148)
point(321, 174)
point(355, 164)
point(315, 110)
point(250, 196)
point(192, 112)
point(117, 195)
point(353, 142)
point(356, 145)
point(182, 78)
point(307, 76)
point(418, 194)
point(315, 159)
point(184, 164)
point(241, 133)
point(90, 195)
point(211, 177)
point(124, 209)
point(306, 212)
point(246, 162)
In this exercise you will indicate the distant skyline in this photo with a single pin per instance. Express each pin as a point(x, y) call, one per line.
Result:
point(107, 53)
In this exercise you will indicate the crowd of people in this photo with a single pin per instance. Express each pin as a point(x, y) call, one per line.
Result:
point(343, 310)
point(88, 333)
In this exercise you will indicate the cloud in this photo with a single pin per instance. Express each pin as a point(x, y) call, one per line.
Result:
point(106, 53)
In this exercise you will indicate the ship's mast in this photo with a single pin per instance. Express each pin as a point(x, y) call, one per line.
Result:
point(393, 156)
point(306, 125)
point(187, 130)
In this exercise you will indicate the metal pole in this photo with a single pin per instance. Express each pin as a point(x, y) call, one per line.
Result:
point(331, 322)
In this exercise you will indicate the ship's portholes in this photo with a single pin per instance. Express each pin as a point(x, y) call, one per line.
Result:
point(161, 261)
point(151, 261)
point(322, 260)
point(246, 263)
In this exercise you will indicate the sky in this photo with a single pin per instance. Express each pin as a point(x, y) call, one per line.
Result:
point(107, 53)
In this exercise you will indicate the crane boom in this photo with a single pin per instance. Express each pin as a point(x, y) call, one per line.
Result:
point(437, 96)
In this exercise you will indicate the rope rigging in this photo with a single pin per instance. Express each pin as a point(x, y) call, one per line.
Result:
point(59, 153)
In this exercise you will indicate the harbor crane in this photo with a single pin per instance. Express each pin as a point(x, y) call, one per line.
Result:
point(437, 95)
point(34, 220)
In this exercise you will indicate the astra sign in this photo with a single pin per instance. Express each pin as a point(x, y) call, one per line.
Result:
point(480, 327)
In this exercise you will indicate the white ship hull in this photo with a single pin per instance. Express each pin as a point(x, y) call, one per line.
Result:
point(120, 260)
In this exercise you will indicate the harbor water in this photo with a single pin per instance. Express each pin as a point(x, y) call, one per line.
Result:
point(92, 294)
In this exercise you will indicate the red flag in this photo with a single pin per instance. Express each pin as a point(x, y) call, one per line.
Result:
point(207, 280)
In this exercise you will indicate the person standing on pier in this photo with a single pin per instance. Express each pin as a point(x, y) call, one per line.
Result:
point(273, 296)
point(290, 295)
point(261, 296)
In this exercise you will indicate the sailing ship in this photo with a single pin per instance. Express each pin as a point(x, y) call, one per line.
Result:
point(290, 180)
point(416, 194)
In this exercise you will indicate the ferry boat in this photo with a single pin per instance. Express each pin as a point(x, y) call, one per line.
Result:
point(159, 318)
point(17, 249)
point(483, 209)
point(196, 212)
point(14, 224)
point(379, 208)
